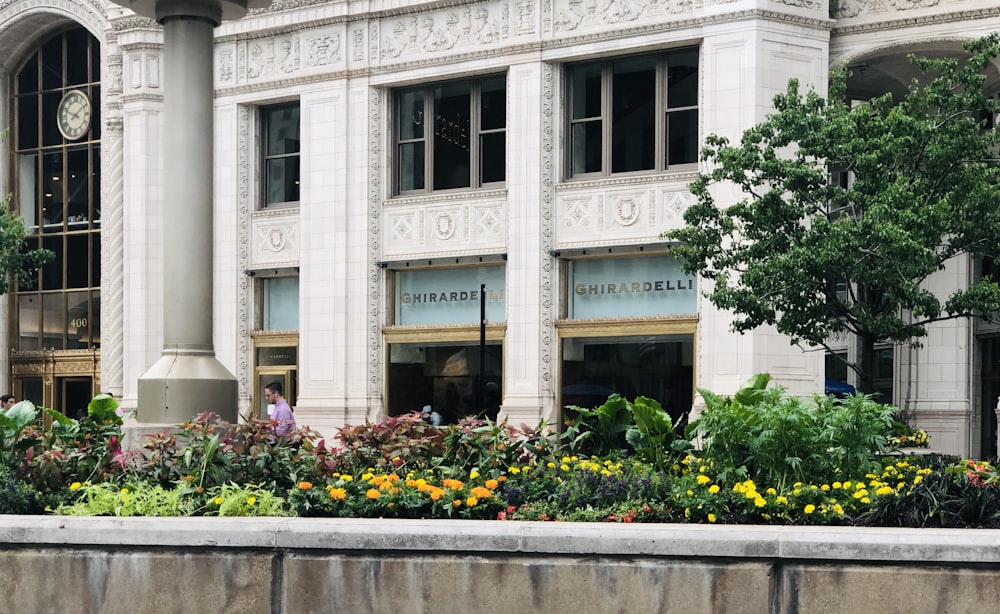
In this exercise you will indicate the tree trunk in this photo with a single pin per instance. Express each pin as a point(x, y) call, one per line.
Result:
point(866, 364)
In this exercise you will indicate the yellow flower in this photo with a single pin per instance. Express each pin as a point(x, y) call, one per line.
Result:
point(471, 501)
point(836, 485)
point(373, 493)
point(75, 486)
point(711, 517)
point(550, 465)
point(492, 484)
point(218, 500)
point(714, 488)
point(865, 500)
point(847, 485)
point(513, 470)
point(305, 485)
point(338, 494)
point(825, 487)
point(760, 501)
point(771, 491)
point(884, 490)
point(564, 467)
point(347, 478)
point(781, 500)
point(473, 475)
point(809, 509)
point(703, 479)
point(124, 491)
point(251, 500)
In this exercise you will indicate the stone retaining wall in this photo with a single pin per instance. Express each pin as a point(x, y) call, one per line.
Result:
point(299, 565)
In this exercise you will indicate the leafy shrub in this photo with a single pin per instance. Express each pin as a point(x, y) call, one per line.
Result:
point(763, 434)
point(617, 424)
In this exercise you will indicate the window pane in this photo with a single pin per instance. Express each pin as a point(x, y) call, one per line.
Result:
point(52, 272)
point(27, 121)
point(78, 320)
point(411, 115)
point(95, 259)
point(587, 147)
point(682, 137)
point(283, 180)
point(95, 318)
point(27, 174)
point(283, 130)
point(586, 90)
point(633, 116)
point(28, 313)
point(95, 122)
point(77, 260)
point(54, 321)
point(78, 42)
point(52, 64)
point(277, 356)
point(446, 377)
point(493, 155)
point(281, 303)
point(682, 79)
point(493, 104)
point(27, 79)
point(411, 166)
point(452, 150)
point(95, 187)
point(52, 191)
point(50, 106)
point(30, 244)
point(77, 188)
point(659, 367)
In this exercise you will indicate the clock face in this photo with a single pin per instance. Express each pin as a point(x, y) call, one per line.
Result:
point(74, 115)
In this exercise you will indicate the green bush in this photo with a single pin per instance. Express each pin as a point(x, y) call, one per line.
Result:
point(770, 437)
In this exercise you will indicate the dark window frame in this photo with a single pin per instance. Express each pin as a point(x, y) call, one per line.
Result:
point(661, 114)
point(267, 156)
point(475, 134)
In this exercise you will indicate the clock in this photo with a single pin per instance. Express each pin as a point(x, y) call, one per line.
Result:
point(73, 115)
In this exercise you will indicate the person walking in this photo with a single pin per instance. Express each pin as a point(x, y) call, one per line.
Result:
point(7, 401)
point(282, 414)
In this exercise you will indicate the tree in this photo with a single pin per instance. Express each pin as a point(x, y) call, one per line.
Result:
point(814, 257)
point(17, 262)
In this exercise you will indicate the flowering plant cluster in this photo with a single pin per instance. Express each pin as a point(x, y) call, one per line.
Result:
point(749, 467)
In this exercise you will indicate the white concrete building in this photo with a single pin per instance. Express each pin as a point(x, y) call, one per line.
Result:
point(354, 238)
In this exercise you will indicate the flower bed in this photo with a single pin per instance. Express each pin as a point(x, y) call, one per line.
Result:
point(765, 458)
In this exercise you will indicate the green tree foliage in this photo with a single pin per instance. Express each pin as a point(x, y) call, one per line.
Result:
point(925, 190)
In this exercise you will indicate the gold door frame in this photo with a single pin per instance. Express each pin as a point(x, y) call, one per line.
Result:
point(54, 367)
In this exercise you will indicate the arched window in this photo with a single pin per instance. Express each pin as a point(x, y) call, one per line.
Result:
point(56, 140)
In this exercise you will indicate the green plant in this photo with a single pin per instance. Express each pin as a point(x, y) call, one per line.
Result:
point(133, 499)
point(766, 435)
point(598, 431)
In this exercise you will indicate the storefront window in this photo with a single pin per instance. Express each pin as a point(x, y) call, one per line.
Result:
point(657, 366)
point(447, 378)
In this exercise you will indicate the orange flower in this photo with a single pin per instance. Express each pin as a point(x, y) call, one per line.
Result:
point(492, 484)
point(452, 484)
point(338, 494)
point(471, 501)
point(482, 493)
point(457, 503)
point(436, 493)
point(305, 485)
point(373, 493)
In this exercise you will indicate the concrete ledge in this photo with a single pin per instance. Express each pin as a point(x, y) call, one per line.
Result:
point(302, 565)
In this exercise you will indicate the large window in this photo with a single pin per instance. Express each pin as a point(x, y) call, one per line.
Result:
point(633, 114)
point(451, 135)
point(281, 155)
point(57, 101)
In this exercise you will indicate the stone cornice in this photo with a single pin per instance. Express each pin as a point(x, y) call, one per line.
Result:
point(134, 22)
point(916, 21)
point(659, 179)
point(459, 196)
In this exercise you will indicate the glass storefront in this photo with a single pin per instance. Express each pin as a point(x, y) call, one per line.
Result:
point(630, 330)
point(435, 355)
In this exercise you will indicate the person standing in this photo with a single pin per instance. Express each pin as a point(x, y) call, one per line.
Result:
point(7, 401)
point(282, 414)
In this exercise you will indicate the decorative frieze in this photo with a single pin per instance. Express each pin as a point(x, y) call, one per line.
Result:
point(636, 214)
point(841, 9)
point(279, 57)
point(469, 27)
point(457, 226)
point(275, 239)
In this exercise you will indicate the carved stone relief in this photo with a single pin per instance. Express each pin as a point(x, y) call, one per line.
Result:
point(428, 228)
point(842, 9)
point(279, 57)
point(467, 27)
point(575, 15)
point(616, 215)
point(276, 239)
point(244, 199)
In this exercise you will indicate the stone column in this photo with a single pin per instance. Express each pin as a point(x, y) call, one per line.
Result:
point(188, 378)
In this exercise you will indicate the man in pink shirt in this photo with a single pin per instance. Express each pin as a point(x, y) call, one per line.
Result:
point(282, 415)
